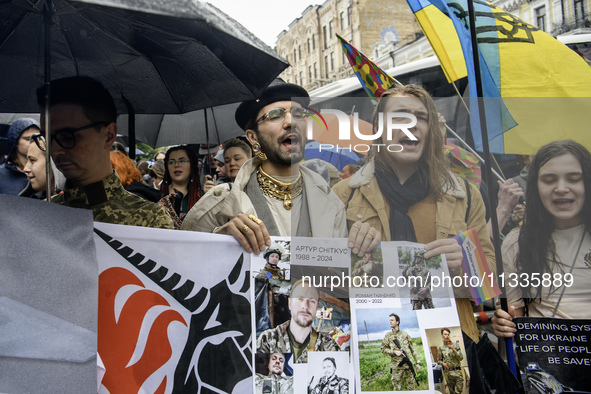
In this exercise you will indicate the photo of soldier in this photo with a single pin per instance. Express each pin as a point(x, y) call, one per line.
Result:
point(390, 349)
point(328, 373)
point(422, 279)
point(449, 362)
point(272, 257)
point(370, 265)
point(271, 376)
point(404, 364)
point(297, 335)
point(420, 292)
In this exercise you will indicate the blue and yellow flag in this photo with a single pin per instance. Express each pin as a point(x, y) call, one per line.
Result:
point(527, 67)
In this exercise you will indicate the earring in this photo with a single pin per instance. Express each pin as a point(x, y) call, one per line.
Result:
point(256, 148)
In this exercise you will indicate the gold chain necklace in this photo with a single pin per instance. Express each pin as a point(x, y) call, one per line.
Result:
point(285, 191)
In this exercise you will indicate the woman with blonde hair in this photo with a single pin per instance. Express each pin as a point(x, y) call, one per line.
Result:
point(406, 191)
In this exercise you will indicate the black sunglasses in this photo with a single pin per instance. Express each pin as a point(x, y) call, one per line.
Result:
point(66, 137)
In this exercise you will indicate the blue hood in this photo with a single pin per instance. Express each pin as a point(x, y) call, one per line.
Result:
point(16, 129)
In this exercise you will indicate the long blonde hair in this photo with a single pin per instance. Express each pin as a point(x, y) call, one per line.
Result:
point(433, 165)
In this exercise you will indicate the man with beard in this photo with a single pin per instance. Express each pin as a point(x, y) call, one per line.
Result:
point(275, 382)
point(449, 356)
point(330, 383)
point(272, 194)
point(297, 335)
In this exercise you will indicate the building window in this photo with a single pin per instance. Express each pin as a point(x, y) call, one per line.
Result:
point(313, 41)
point(301, 78)
point(325, 39)
point(349, 16)
point(326, 66)
point(315, 70)
point(579, 10)
point(342, 15)
point(331, 32)
point(541, 18)
point(332, 61)
point(299, 52)
point(309, 45)
point(294, 56)
point(309, 74)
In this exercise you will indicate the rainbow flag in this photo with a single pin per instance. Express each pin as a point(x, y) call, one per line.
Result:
point(474, 265)
point(464, 164)
point(374, 80)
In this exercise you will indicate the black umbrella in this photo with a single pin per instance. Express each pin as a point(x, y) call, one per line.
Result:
point(162, 56)
point(188, 128)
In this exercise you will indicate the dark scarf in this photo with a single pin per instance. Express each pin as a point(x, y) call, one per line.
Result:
point(401, 198)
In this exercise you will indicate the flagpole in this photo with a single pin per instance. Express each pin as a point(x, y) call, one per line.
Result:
point(488, 172)
point(468, 147)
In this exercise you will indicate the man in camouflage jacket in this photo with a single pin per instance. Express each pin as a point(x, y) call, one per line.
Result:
point(395, 344)
point(449, 356)
point(297, 335)
point(83, 128)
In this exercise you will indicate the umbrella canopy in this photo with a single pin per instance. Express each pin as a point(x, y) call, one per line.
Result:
point(166, 56)
point(189, 128)
point(335, 155)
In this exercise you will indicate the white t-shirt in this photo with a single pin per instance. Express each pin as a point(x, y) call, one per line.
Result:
point(575, 300)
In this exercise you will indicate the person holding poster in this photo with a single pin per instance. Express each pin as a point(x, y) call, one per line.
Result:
point(408, 193)
point(272, 194)
point(398, 345)
point(554, 243)
point(297, 335)
point(449, 356)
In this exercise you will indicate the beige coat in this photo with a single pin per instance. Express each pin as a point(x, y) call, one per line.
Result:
point(368, 205)
point(222, 203)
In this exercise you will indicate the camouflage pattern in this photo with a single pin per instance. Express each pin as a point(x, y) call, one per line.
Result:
point(400, 373)
point(276, 272)
point(276, 340)
point(454, 376)
point(273, 384)
point(421, 300)
point(334, 385)
point(111, 203)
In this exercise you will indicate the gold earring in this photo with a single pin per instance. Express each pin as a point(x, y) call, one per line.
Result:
point(256, 148)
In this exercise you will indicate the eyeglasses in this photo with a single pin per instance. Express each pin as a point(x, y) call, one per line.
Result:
point(39, 140)
point(65, 137)
point(278, 114)
point(181, 161)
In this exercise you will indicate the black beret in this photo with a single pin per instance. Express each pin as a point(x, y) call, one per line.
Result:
point(278, 90)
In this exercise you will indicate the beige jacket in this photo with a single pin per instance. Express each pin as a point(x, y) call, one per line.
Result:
point(367, 204)
point(222, 203)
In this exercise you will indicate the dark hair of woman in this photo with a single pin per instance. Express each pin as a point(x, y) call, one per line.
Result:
point(539, 223)
point(194, 187)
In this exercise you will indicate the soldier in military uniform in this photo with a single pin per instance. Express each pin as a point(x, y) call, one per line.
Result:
point(420, 294)
point(449, 356)
point(297, 335)
point(273, 256)
point(398, 345)
point(275, 382)
point(83, 128)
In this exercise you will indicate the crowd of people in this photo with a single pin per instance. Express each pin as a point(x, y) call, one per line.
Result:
point(256, 186)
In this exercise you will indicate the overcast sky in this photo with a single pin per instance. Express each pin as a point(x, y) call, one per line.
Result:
point(265, 18)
